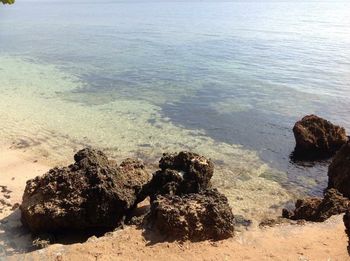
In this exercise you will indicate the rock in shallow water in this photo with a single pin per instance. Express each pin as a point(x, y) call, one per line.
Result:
point(181, 173)
point(316, 137)
point(91, 193)
point(339, 171)
point(318, 209)
point(199, 216)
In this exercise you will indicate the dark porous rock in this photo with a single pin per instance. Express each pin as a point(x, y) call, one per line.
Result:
point(181, 173)
point(91, 193)
point(198, 216)
point(90, 157)
point(318, 209)
point(316, 137)
point(166, 182)
point(339, 171)
point(346, 220)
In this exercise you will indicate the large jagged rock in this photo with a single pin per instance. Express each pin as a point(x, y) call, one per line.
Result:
point(91, 193)
point(181, 173)
point(318, 209)
point(199, 216)
point(317, 137)
point(339, 171)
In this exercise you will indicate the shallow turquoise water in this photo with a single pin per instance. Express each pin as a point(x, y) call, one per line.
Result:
point(225, 79)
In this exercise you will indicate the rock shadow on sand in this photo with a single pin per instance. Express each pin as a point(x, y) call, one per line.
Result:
point(17, 239)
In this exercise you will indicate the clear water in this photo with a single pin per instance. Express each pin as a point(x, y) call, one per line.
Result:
point(225, 79)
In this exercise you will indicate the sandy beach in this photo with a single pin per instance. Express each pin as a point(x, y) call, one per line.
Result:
point(311, 241)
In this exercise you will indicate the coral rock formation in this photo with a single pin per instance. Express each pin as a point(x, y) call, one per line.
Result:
point(318, 209)
point(198, 216)
point(181, 173)
point(317, 137)
point(339, 171)
point(91, 193)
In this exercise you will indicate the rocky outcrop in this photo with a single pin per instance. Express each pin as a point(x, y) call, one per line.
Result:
point(181, 173)
point(316, 137)
point(91, 193)
point(182, 204)
point(96, 193)
point(199, 216)
point(339, 171)
point(318, 209)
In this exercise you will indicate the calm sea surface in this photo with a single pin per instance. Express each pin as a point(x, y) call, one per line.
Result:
point(225, 79)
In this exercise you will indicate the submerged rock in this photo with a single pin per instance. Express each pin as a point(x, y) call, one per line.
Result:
point(318, 209)
point(270, 222)
point(339, 171)
point(181, 173)
point(317, 137)
point(91, 193)
point(199, 216)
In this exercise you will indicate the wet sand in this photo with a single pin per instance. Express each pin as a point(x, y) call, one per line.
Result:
point(312, 241)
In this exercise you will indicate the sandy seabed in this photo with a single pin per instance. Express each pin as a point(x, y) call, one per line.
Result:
point(311, 241)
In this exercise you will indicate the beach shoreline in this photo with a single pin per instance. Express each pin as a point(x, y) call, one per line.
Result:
point(311, 241)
